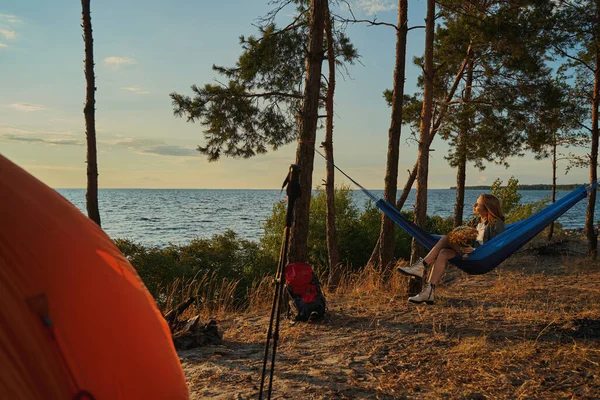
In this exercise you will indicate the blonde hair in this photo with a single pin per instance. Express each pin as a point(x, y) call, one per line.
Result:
point(493, 207)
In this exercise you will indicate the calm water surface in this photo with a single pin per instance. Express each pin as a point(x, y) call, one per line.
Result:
point(156, 217)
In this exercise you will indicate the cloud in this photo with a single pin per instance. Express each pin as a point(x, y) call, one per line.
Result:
point(138, 145)
point(136, 89)
point(56, 141)
point(26, 107)
point(170, 150)
point(6, 31)
point(8, 34)
point(116, 62)
point(66, 142)
point(371, 7)
point(154, 147)
point(10, 18)
point(16, 138)
point(16, 134)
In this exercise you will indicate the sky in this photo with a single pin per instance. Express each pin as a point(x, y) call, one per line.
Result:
point(145, 50)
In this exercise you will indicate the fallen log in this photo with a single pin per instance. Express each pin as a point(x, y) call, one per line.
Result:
point(196, 335)
point(190, 333)
point(172, 315)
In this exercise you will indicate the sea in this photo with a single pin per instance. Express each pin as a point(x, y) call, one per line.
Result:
point(157, 217)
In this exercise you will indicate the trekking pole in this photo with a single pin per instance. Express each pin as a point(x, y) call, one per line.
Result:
point(274, 308)
point(293, 192)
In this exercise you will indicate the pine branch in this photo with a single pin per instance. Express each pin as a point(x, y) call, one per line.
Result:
point(293, 25)
point(565, 54)
point(263, 94)
point(372, 22)
point(582, 125)
point(270, 17)
point(571, 4)
point(354, 20)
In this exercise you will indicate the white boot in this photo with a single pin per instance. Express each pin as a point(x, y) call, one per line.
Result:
point(417, 269)
point(426, 296)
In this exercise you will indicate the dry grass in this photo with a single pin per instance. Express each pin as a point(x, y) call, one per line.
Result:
point(214, 296)
point(528, 330)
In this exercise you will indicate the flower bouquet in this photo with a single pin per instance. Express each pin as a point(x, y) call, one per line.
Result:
point(464, 236)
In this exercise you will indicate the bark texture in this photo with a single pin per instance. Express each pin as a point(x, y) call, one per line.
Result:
point(386, 235)
point(305, 154)
point(461, 173)
point(554, 165)
point(332, 242)
point(420, 217)
point(383, 252)
point(89, 111)
point(589, 215)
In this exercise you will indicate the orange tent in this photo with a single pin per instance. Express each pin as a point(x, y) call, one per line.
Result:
point(76, 321)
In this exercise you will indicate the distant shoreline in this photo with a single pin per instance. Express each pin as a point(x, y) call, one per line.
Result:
point(538, 186)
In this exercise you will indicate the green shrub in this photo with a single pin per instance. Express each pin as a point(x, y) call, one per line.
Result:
point(509, 195)
point(510, 201)
point(357, 232)
point(439, 225)
point(155, 266)
point(523, 211)
point(225, 256)
point(347, 217)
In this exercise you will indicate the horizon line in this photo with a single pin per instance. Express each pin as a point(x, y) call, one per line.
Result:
point(357, 189)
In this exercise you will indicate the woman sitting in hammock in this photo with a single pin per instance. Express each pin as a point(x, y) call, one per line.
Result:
point(489, 222)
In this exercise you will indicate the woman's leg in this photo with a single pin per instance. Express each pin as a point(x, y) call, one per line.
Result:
point(440, 265)
point(443, 243)
point(442, 246)
point(427, 295)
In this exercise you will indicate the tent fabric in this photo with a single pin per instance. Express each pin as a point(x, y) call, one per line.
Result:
point(489, 255)
point(76, 321)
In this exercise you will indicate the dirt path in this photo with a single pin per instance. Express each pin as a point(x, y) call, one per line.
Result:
point(529, 329)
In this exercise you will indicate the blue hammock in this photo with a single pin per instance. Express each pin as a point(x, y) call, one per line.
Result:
point(489, 255)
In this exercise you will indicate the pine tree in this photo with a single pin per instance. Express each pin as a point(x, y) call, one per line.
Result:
point(577, 41)
point(559, 116)
point(505, 63)
point(272, 97)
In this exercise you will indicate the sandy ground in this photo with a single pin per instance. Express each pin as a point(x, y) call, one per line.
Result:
point(529, 329)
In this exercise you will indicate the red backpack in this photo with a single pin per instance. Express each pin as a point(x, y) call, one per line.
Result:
point(304, 290)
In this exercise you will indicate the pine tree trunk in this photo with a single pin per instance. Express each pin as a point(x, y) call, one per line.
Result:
point(589, 216)
point(466, 125)
point(305, 154)
point(423, 157)
point(460, 189)
point(332, 243)
point(91, 196)
point(386, 233)
point(551, 230)
point(438, 121)
point(375, 258)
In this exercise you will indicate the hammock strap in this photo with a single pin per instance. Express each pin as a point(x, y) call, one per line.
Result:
point(369, 194)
